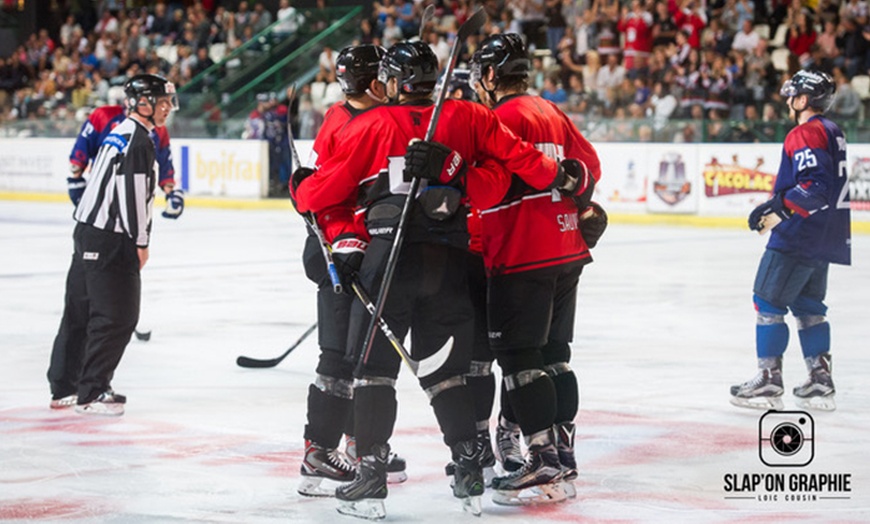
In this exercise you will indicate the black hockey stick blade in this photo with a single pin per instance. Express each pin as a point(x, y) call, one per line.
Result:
point(144, 336)
point(248, 362)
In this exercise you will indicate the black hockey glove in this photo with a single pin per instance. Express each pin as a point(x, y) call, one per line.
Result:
point(296, 179)
point(347, 254)
point(575, 181)
point(593, 222)
point(174, 204)
point(432, 161)
point(75, 186)
point(769, 214)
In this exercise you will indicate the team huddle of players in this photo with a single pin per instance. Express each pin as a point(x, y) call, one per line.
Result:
point(499, 231)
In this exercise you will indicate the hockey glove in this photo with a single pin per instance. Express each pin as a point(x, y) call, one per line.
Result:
point(593, 222)
point(296, 179)
point(347, 254)
point(432, 161)
point(174, 204)
point(769, 214)
point(575, 181)
point(75, 186)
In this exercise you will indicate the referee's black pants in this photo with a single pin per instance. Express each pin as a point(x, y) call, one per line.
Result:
point(103, 290)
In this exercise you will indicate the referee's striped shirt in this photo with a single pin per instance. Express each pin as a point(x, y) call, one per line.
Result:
point(120, 191)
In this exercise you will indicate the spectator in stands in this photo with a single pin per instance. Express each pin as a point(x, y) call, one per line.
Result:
point(801, 38)
point(261, 18)
point(691, 19)
point(556, 25)
point(326, 61)
point(636, 25)
point(67, 30)
point(318, 17)
point(847, 102)
point(203, 62)
point(289, 19)
point(553, 90)
point(609, 79)
point(392, 33)
point(746, 39)
point(664, 30)
point(107, 24)
point(407, 16)
point(828, 49)
point(854, 47)
point(159, 24)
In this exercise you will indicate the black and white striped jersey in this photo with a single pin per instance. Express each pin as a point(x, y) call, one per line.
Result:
point(119, 195)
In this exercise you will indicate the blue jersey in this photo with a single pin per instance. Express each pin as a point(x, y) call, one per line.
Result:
point(814, 183)
point(98, 125)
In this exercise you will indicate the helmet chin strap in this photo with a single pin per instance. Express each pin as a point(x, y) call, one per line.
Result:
point(376, 98)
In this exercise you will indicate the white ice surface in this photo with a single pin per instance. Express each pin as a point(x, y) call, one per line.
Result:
point(665, 325)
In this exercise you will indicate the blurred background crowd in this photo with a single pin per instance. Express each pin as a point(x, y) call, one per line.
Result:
point(625, 70)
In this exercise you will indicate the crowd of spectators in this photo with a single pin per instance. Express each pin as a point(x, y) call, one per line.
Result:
point(636, 64)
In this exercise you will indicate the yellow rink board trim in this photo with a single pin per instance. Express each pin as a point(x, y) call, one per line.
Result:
point(285, 204)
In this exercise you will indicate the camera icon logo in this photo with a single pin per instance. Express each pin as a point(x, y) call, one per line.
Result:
point(786, 438)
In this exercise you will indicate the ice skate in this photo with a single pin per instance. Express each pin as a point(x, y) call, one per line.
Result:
point(396, 465)
point(538, 481)
point(507, 446)
point(322, 464)
point(764, 391)
point(818, 391)
point(108, 403)
point(487, 457)
point(565, 447)
point(364, 496)
point(468, 479)
point(64, 402)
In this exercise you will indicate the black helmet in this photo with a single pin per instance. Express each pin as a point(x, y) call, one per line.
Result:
point(357, 66)
point(151, 87)
point(413, 64)
point(818, 86)
point(505, 53)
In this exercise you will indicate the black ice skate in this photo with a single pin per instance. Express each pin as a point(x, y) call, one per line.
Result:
point(468, 474)
point(364, 496)
point(565, 446)
point(396, 465)
point(108, 403)
point(764, 391)
point(538, 481)
point(487, 458)
point(817, 392)
point(507, 445)
point(319, 464)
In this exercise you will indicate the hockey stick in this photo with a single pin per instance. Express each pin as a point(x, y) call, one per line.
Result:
point(144, 336)
point(296, 163)
point(471, 26)
point(420, 368)
point(248, 362)
point(427, 16)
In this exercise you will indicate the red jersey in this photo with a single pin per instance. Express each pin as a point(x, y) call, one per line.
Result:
point(370, 156)
point(338, 219)
point(530, 228)
point(638, 37)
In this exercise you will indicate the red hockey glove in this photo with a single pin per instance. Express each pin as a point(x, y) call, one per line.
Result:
point(432, 161)
point(575, 181)
point(347, 254)
point(593, 222)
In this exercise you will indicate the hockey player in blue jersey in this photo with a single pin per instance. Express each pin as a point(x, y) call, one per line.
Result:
point(809, 220)
point(98, 125)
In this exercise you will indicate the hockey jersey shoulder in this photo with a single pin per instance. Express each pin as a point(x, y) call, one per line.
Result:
point(103, 117)
point(811, 134)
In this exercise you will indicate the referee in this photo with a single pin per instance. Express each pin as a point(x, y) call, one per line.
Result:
point(110, 240)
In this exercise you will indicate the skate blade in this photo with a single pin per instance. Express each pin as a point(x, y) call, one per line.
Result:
point(473, 505)
point(370, 509)
point(765, 403)
point(552, 493)
point(317, 487)
point(817, 403)
point(396, 477)
point(570, 490)
point(488, 475)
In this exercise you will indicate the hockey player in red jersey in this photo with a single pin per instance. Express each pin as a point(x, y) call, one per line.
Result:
point(535, 245)
point(330, 402)
point(429, 292)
